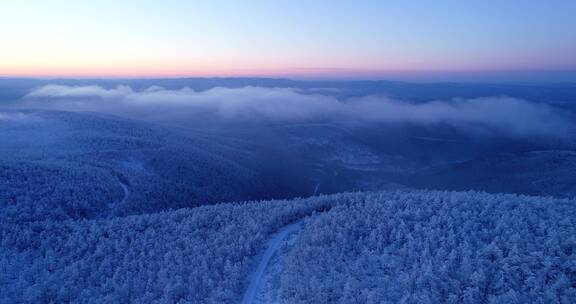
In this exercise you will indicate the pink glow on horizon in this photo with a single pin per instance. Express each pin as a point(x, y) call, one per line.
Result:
point(299, 73)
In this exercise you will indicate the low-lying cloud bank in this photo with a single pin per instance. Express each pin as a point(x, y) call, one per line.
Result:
point(17, 117)
point(502, 115)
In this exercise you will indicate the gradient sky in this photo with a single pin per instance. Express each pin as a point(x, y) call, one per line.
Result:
point(298, 38)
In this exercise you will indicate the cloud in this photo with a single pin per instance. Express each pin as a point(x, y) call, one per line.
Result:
point(256, 104)
point(225, 103)
point(17, 117)
point(498, 114)
point(80, 91)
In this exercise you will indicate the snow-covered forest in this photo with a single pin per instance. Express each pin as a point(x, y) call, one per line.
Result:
point(200, 255)
point(383, 247)
point(435, 247)
point(104, 208)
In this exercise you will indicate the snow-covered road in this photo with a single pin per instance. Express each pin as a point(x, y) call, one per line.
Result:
point(126, 191)
point(272, 246)
point(125, 195)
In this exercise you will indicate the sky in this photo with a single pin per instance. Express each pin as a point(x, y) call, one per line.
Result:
point(369, 39)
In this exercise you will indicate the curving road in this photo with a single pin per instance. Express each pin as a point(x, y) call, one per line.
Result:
point(126, 192)
point(272, 246)
point(125, 196)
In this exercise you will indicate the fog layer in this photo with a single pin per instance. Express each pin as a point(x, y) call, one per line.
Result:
point(501, 115)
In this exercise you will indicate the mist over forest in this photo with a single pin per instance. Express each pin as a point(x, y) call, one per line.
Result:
point(258, 190)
